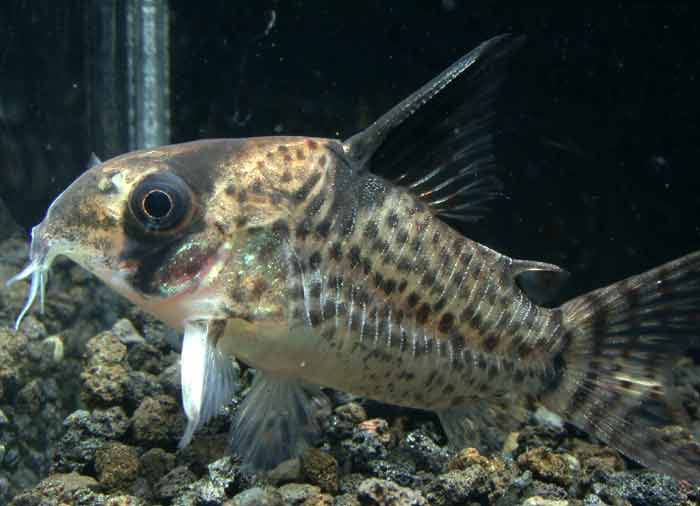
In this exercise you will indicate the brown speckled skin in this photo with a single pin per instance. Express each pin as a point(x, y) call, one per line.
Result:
point(320, 273)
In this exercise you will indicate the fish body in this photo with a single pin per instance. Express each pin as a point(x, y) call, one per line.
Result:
point(332, 263)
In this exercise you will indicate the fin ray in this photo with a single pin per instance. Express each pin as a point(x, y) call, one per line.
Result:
point(276, 421)
point(208, 377)
point(452, 165)
point(615, 362)
point(482, 423)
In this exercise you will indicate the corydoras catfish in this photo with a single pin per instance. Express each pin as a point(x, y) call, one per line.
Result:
point(327, 263)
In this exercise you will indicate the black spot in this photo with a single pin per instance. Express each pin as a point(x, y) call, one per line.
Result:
point(423, 313)
point(315, 260)
point(296, 291)
point(392, 220)
point(315, 205)
point(389, 286)
point(323, 229)
point(416, 244)
point(371, 231)
point(314, 317)
point(355, 256)
point(308, 185)
point(439, 305)
point(329, 309)
point(281, 229)
point(428, 278)
point(241, 221)
point(445, 256)
point(230, 189)
point(446, 323)
point(401, 236)
point(436, 237)
point(257, 186)
point(242, 196)
point(379, 245)
point(378, 279)
point(315, 290)
point(448, 389)
point(476, 321)
point(303, 229)
point(491, 342)
point(404, 265)
point(491, 297)
point(298, 313)
point(335, 251)
point(460, 400)
point(412, 300)
point(347, 224)
point(366, 266)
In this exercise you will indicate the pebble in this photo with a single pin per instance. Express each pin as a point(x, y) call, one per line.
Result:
point(320, 468)
point(426, 453)
point(286, 472)
point(154, 420)
point(647, 488)
point(298, 494)
point(174, 483)
point(458, 487)
point(376, 492)
point(156, 463)
point(547, 466)
point(117, 465)
point(257, 496)
point(541, 501)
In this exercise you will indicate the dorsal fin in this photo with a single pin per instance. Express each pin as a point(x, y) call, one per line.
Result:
point(93, 161)
point(438, 142)
point(540, 281)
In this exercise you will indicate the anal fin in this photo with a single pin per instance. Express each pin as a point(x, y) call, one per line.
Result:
point(208, 377)
point(276, 421)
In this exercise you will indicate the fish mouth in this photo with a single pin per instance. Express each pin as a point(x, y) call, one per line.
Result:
point(41, 256)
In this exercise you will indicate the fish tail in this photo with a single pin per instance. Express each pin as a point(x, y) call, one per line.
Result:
point(614, 367)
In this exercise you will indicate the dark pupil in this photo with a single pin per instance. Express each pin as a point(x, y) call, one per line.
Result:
point(157, 204)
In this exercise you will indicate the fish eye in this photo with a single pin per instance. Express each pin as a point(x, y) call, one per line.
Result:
point(161, 202)
point(157, 204)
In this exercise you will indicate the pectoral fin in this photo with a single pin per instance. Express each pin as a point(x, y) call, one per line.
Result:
point(209, 378)
point(276, 421)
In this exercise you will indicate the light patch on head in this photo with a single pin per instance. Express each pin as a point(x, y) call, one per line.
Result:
point(105, 185)
point(118, 181)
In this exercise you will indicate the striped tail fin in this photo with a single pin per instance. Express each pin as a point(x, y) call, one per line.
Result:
point(615, 364)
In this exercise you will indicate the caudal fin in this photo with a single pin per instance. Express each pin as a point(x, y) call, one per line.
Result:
point(615, 365)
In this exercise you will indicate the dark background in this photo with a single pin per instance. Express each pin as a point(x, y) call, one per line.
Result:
point(601, 172)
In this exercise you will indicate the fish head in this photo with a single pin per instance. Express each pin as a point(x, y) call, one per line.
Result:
point(183, 231)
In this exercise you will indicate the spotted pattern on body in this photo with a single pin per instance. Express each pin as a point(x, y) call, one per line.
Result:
point(425, 315)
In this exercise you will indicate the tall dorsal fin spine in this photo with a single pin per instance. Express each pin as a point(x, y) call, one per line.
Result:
point(361, 146)
point(438, 143)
